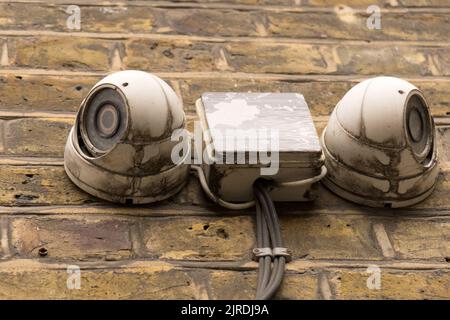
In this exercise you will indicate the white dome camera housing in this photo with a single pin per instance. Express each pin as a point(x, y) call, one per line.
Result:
point(380, 146)
point(120, 146)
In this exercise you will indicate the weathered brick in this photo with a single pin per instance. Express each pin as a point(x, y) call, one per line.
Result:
point(331, 23)
point(329, 237)
point(27, 279)
point(426, 3)
point(53, 17)
point(4, 238)
point(316, 237)
point(242, 285)
point(68, 53)
point(199, 238)
point(299, 287)
point(180, 55)
point(443, 134)
point(48, 136)
point(434, 92)
point(43, 93)
point(37, 137)
point(75, 238)
point(227, 239)
point(2, 136)
point(325, 231)
point(321, 96)
point(292, 58)
point(358, 59)
point(131, 19)
point(330, 3)
point(419, 238)
point(39, 185)
point(348, 23)
point(352, 284)
point(232, 285)
point(383, 3)
point(50, 185)
point(211, 22)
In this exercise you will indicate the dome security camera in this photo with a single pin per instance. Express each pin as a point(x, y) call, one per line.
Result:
point(120, 146)
point(379, 145)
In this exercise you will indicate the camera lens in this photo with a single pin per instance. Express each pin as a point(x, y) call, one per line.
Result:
point(415, 125)
point(418, 126)
point(107, 120)
point(104, 120)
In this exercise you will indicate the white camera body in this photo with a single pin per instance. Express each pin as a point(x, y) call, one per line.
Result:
point(120, 146)
point(380, 146)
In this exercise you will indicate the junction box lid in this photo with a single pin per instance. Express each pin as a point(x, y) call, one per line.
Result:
point(280, 122)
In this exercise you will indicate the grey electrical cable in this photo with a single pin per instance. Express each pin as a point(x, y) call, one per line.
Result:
point(249, 204)
point(266, 242)
point(278, 278)
point(263, 241)
point(268, 231)
point(297, 183)
point(267, 285)
point(259, 244)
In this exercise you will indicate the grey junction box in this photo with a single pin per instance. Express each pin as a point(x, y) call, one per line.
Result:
point(259, 135)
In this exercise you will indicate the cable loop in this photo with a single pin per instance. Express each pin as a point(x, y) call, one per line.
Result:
point(249, 204)
point(298, 183)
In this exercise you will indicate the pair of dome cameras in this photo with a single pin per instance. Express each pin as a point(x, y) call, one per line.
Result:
point(379, 145)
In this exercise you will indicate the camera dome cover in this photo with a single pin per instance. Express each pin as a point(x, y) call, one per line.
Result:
point(120, 146)
point(379, 144)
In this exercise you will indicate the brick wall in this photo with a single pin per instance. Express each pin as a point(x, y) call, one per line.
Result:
point(186, 247)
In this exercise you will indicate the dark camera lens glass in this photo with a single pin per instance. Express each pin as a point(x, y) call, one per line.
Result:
point(107, 120)
point(104, 120)
point(418, 126)
point(415, 125)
